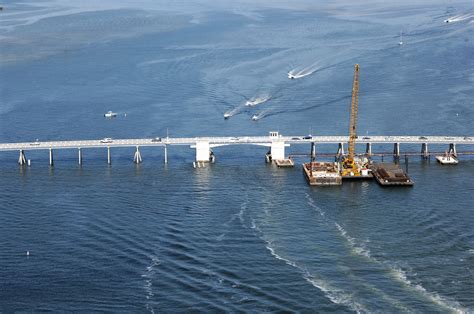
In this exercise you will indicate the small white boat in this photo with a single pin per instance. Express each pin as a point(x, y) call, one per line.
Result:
point(400, 42)
point(447, 160)
point(110, 114)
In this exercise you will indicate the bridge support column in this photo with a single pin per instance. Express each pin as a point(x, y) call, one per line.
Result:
point(424, 150)
point(277, 150)
point(51, 160)
point(138, 157)
point(203, 151)
point(166, 154)
point(313, 151)
point(109, 160)
point(79, 157)
point(452, 150)
point(368, 149)
point(396, 150)
point(340, 150)
point(22, 158)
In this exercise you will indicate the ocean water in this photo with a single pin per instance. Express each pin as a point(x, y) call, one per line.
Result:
point(239, 235)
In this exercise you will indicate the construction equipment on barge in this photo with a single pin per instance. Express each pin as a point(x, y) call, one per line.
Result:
point(353, 167)
point(322, 173)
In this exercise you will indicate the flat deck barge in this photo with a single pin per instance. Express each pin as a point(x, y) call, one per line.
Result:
point(322, 173)
point(447, 160)
point(390, 175)
point(284, 163)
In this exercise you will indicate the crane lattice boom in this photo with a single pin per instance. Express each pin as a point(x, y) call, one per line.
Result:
point(353, 120)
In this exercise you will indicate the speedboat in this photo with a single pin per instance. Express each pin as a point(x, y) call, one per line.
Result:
point(255, 117)
point(226, 115)
point(110, 114)
point(291, 76)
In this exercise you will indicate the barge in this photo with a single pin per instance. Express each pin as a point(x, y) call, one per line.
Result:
point(390, 175)
point(447, 159)
point(322, 173)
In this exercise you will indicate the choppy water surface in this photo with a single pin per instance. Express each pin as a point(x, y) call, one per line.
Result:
point(239, 235)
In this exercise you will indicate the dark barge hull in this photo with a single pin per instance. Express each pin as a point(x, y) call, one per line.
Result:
point(391, 175)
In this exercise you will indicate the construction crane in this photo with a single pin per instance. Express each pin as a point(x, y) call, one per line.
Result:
point(351, 165)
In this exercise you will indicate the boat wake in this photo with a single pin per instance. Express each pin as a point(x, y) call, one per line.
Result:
point(399, 274)
point(336, 296)
point(148, 286)
point(299, 72)
point(232, 112)
point(257, 100)
point(356, 247)
point(262, 114)
point(459, 18)
point(395, 271)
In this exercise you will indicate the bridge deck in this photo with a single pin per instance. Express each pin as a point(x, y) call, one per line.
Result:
point(218, 141)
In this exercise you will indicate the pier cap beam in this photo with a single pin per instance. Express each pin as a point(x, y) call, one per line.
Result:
point(277, 150)
point(203, 151)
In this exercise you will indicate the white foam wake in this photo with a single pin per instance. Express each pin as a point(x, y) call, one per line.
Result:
point(400, 275)
point(336, 296)
point(148, 286)
point(394, 270)
point(459, 18)
point(299, 73)
point(262, 114)
point(257, 100)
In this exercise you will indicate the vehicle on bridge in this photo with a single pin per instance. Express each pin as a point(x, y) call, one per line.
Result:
point(106, 140)
point(156, 139)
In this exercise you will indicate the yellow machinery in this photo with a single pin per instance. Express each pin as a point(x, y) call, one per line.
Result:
point(351, 165)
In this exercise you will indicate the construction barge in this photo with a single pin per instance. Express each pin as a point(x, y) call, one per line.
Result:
point(322, 173)
point(390, 175)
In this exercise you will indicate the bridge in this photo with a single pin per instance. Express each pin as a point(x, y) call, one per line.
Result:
point(204, 145)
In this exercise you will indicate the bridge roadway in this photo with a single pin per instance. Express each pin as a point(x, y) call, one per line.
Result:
point(220, 141)
point(204, 145)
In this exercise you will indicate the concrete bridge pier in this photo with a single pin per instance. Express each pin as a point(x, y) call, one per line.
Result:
point(79, 157)
point(424, 151)
point(109, 160)
point(277, 150)
point(138, 157)
point(51, 160)
point(22, 158)
point(396, 150)
point(340, 151)
point(203, 151)
point(313, 151)
point(452, 150)
point(368, 149)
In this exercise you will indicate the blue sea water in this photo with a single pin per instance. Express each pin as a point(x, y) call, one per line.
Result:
point(239, 235)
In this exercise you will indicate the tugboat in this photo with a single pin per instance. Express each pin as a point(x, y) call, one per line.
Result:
point(110, 114)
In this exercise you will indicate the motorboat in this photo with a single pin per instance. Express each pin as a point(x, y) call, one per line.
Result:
point(110, 114)
point(291, 76)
